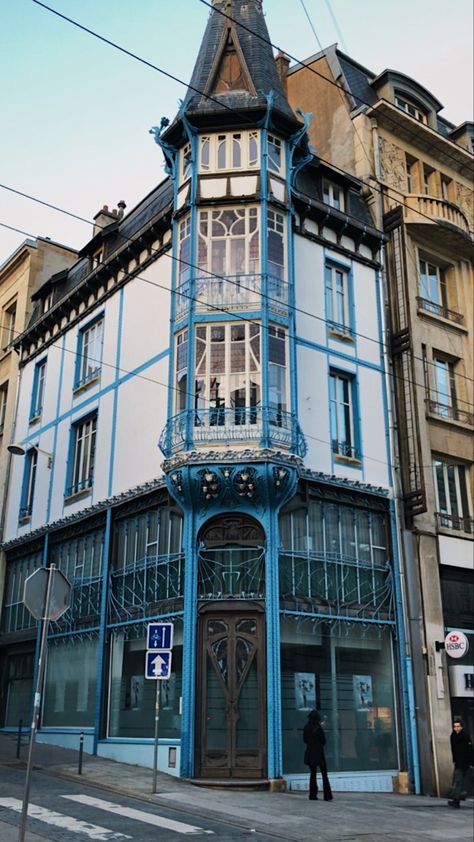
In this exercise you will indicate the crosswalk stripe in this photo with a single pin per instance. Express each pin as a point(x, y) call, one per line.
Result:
point(93, 831)
point(139, 815)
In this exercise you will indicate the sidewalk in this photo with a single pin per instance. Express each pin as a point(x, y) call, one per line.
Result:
point(368, 817)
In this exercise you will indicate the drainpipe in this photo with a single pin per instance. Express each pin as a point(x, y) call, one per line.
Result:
point(399, 557)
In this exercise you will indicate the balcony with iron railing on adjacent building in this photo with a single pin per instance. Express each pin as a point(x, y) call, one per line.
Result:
point(455, 522)
point(450, 412)
point(433, 308)
point(232, 293)
point(255, 425)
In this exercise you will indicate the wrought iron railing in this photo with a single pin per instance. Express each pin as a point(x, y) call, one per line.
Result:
point(84, 603)
point(457, 522)
point(232, 292)
point(439, 310)
point(145, 583)
point(343, 448)
point(231, 573)
point(225, 425)
point(451, 412)
point(335, 580)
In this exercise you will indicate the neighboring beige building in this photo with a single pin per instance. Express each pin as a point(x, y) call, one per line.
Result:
point(418, 167)
point(21, 275)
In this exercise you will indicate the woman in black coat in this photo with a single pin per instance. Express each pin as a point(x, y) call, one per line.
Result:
point(313, 736)
point(463, 758)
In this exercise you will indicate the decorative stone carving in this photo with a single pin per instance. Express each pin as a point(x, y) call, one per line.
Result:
point(464, 200)
point(392, 165)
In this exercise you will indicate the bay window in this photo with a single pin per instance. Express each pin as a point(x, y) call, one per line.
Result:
point(228, 241)
point(229, 151)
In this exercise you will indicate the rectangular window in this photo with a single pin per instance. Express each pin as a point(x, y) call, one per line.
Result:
point(428, 180)
point(28, 488)
point(333, 195)
point(277, 373)
point(343, 415)
point(8, 333)
point(89, 353)
point(411, 171)
point(70, 682)
point(452, 495)
point(228, 242)
point(275, 154)
point(82, 459)
point(275, 247)
point(411, 109)
point(445, 386)
point(3, 405)
point(230, 151)
point(186, 166)
point(432, 283)
point(39, 379)
point(338, 299)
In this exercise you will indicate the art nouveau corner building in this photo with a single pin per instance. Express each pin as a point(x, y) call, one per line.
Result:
point(235, 315)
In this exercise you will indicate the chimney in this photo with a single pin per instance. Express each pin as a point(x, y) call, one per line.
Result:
point(121, 207)
point(103, 218)
point(282, 64)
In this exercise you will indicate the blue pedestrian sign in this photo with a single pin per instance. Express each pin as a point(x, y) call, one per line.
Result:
point(158, 664)
point(160, 636)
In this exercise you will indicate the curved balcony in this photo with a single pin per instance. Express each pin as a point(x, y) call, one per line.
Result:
point(262, 426)
point(232, 292)
point(420, 206)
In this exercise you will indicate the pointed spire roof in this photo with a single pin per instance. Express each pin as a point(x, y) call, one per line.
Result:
point(235, 66)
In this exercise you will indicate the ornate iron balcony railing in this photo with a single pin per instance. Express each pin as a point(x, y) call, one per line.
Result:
point(453, 413)
point(232, 292)
point(439, 310)
point(463, 524)
point(270, 427)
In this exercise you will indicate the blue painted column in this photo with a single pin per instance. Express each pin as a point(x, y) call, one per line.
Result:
point(100, 683)
point(189, 647)
point(272, 607)
point(265, 440)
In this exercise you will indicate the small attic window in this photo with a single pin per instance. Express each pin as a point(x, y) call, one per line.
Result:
point(411, 107)
point(97, 257)
point(48, 302)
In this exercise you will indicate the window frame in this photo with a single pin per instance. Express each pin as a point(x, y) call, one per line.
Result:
point(440, 361)
point(82, 378)
point(3, 405)
point(343, 450)
point(222, 144)
point(37, 395)
point(441, 281)
point(328, 195)
point(273, 166)
point(345, 329)
point(8, 324)
point(405, 103)
point(28, 484)
point(449, 515)
point(82, 452)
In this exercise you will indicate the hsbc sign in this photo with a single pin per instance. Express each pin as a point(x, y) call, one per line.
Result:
point(456, 644)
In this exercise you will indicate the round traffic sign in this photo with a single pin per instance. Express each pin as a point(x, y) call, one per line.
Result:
point(36, 589)
point(456, 644)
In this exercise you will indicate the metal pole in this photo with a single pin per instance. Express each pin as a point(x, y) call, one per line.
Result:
point(81, 751)
point(157, 718)
point(36, 709)
point(18, 742)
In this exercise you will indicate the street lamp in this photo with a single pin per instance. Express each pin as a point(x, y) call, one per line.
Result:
point(19, 450)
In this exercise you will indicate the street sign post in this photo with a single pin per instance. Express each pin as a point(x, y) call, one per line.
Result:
point(46, 594)
point(158, 667)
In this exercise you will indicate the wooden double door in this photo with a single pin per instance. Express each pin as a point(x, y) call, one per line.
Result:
point(231, 697)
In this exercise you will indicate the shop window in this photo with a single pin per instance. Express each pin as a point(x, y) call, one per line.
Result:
point(70, 683)
point(345, 439)
point(15, 615)
point(347, 674)
point(81, 464)
point(89, 353)
point(132, 697)
point(19, 690)
point(28, 486)
point(457, 588)
point(81, 560)
point(37, 398)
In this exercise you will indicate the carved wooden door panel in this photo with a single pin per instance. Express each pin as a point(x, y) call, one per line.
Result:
point(231, 695)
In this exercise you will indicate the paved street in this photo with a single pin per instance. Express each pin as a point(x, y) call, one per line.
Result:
point(113, 801)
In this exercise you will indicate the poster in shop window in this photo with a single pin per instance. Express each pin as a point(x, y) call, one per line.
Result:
point(362, 692)
point(305, 690)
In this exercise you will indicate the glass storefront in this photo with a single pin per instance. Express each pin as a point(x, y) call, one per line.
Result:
point(132, 696)
point(346, 671)
point(70, 685)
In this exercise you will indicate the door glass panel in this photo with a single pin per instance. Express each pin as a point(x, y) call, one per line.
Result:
point(247, 721)
point(247, 626)
point(217, 627)
point(219, 650)
point(243, 651)
point(216, 712)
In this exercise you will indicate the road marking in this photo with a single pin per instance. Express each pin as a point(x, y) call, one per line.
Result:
point(93, 831)
point(138, 815)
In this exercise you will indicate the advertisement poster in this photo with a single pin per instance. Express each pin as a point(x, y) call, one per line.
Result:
point(363, 692)
point(305, 690)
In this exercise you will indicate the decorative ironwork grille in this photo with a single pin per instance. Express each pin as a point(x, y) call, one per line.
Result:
point(231, 573)
point(15, 614)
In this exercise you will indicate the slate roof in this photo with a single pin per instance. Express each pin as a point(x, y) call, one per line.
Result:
point(252, 33)
point(359, 80)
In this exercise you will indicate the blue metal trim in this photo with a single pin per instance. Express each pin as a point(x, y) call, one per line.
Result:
point(334, 352)
point(357, 419)
point(80, 339)
point(56, 428)
point(406, 673)
point(292, 356)
point(99, 687)
point(74, 632)
point(76, 410)
point(274, 713)
point(115, 399)
point(189, 648)
point(338, 617)
point(163, 741)
point(265, 440)
point(34, 391)
point(388, 449)
point(144, 620)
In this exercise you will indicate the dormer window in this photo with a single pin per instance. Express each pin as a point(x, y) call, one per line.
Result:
point(411, 108)
point(97, 257)
point(230, 151)
point(333, 195)
point(48, 302)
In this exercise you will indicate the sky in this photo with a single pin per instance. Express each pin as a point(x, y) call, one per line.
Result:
point(75, 113)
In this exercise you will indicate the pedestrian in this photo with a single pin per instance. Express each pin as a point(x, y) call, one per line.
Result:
point(313, 736)
point(463, 758)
